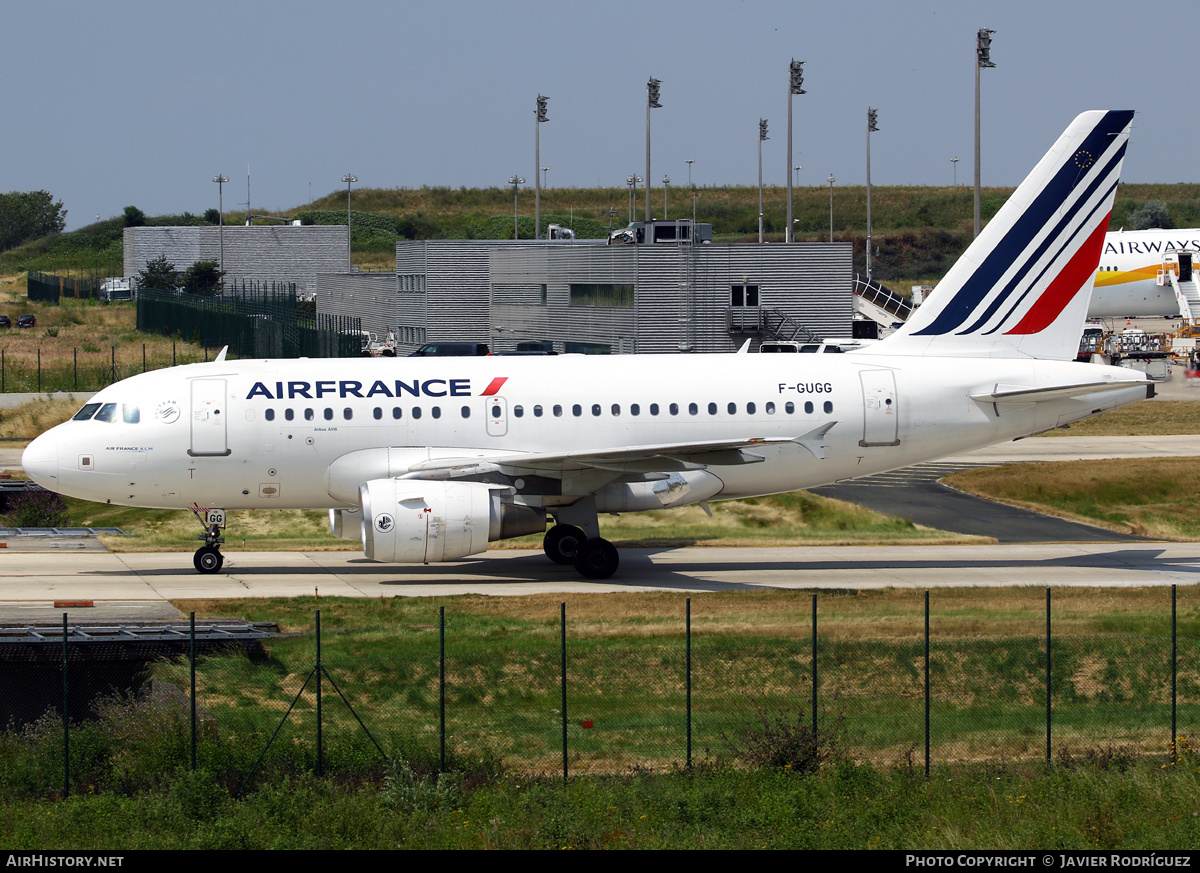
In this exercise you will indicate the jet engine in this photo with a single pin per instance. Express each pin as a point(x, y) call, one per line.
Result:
point(414, 521)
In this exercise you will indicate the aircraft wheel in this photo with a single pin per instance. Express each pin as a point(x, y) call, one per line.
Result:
point(562, 542)
point(597, 559)
point(208, 559)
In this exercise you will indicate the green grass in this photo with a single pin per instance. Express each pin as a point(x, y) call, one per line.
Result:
point(1111, 784)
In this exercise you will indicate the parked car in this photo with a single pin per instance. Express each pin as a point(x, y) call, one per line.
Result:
point(5, 321)
point(441, 350)
point(26, 320)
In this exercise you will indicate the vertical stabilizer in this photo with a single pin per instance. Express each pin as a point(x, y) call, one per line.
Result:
point(1022, 287)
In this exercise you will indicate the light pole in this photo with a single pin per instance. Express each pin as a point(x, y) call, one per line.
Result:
point(689, 162)
point(983, 58)
point(349, 179)
point(221, 179)
point(954, 163)
point(545, 177)
point(795, 86)
point(831, 181)
point(632, 181)
point(515, 180)
point(651, 103)
point(871, 128)
point(762, 135)
point(537, 164)
point(666, 196)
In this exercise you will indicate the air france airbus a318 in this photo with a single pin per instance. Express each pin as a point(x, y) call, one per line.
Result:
point(430, 459)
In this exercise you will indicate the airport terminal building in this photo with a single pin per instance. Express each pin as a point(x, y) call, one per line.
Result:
point(589, 297)
point(658, 296)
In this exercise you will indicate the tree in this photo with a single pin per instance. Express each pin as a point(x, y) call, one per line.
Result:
point(134, 217)
point(159, 274)
point(212, 216)
point(26, 215)
point(202, 277)
point(1153, 214)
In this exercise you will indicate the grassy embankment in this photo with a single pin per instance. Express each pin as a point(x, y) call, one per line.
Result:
point(1112, 784)
point(919, 230)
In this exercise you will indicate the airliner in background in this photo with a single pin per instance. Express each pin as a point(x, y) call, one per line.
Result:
point(430, 459)
point(1145, 272)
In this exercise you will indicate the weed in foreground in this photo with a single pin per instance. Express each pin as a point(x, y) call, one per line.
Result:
point(777, 740)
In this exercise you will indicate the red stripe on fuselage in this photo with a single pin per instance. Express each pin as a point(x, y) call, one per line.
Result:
point(1066, 284)
point(494, 386)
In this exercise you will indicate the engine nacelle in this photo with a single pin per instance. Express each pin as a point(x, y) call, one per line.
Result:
point(416, 521)
point(346, 523)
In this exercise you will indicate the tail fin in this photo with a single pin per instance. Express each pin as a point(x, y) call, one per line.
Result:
point(1022, 287)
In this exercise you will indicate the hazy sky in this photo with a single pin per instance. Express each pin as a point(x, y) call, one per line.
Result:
point(106, 104)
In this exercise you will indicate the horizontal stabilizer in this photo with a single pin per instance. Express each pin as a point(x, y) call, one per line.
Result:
point(1015, 394)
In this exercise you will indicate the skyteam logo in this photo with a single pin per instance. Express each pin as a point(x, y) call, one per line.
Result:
point(344, 388)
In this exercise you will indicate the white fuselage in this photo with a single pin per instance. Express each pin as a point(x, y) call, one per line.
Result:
point(266, 434)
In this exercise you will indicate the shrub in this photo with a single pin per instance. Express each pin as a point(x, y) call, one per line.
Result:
point(36, 508)
point(777, 740)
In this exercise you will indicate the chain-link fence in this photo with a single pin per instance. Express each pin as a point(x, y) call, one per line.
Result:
point(547, 695)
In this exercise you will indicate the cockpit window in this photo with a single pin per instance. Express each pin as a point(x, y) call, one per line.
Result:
point(131, 414)
point(108, 412)
point(87, 412)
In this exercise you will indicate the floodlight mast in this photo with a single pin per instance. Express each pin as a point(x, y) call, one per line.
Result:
point(795, 86)
point(221, 179)
point(349, 179)
point(762, 135)
point(652, 95)
point(872, 127)
point(983, 59)
point(537, 165)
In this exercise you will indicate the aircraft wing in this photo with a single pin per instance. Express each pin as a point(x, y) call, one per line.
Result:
point(665, 457)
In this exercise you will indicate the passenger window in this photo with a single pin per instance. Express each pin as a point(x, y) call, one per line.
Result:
point(108, 412)
point(654, 409)
point(396, 412)
point(769, 408)
point(634, 409)
point(674, 408)
point(518, 411)
point(289, 413)
point(712, 409)
point(436, 412)
point(616, 409)
point(308, 415)
point(416, 413)
point(577, 410)
point(693, 409)
point(750, 408)
point(557, 411)
point(828, 406)
point(328, 414)
point(732, 408)
point(537, 412)
point(269, 414)
point(789, 407)
point(466, 412)
point(347, 413)
point(808, 407)
point(87, 412)
point(596, 409)
point(377, 412)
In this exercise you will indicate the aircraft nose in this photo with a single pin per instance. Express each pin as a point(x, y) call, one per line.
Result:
point(40, 461)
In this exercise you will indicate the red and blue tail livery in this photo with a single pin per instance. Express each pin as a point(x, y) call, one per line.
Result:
point(1023, 286)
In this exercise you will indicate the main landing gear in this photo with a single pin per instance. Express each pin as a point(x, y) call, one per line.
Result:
point(208, 558)
point(593, 557)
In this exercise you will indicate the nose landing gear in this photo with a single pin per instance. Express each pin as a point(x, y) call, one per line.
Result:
point(208, 558)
